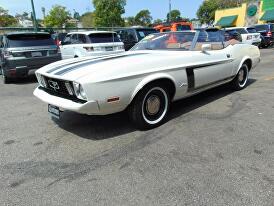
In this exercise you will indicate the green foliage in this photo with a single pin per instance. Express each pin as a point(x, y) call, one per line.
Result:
point(157, 21)
point(57, 16)
point(6, 19)
point(130, 21)
point(175, 15)
point(143, 18)
point(87, 19)
point(206, 12)
point(108, 13)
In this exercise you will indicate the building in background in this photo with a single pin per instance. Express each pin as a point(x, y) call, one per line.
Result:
point(247, 14)
point(25, 23)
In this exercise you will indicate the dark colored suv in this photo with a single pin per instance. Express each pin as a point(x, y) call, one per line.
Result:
point(267, 34)
point(21, 54)
point(131, 36)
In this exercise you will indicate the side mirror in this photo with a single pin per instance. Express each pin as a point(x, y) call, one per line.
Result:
point(206, 47)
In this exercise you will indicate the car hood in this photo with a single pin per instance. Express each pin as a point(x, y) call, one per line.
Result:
point(116, 66)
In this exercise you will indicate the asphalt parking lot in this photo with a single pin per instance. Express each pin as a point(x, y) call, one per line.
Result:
point(216, 149)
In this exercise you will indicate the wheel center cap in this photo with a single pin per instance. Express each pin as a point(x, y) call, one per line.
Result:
point(153, 105)
point(241, 76)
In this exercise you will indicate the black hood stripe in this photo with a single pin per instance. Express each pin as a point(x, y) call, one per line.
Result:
point(79, 66)
point(73, 63)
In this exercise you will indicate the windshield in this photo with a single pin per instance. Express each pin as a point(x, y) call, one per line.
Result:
point(166, 41)
point(183, 27)
point(251, 30)
point(262, 27)
point(144, 32)
point(27, 40)
point(104, 38)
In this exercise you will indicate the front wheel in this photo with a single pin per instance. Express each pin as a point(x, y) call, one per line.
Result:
point(6, 80)
point(240, 81)
point(150, 107)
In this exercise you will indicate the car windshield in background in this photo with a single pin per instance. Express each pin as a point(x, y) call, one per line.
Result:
point(183, 27)
point(166, 41)
point(142, 33)
point(241, 31)
point(251, 30)
point(262, 27)
point(27, 40)
point(104, 38)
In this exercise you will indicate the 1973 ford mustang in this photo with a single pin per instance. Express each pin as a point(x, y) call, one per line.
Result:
point(162, 68)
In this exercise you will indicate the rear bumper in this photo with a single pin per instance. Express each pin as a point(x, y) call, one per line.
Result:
point(90, 107)
point(24, 67)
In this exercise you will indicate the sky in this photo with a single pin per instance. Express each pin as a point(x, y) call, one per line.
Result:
point(158, 8)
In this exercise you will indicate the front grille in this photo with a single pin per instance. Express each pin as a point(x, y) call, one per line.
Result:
point(57, 86)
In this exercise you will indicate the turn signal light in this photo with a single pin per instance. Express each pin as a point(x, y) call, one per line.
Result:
point(269, 34)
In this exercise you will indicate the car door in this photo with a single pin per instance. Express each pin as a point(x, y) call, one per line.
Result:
point(65, 47)
point(212, 66)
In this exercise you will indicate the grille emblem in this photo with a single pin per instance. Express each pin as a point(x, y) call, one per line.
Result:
point(54, 85)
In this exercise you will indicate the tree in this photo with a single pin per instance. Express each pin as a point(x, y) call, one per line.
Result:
point(206, 12)
point(6, 19)
point(143, 18)
point(175, 15)
point(43, 9)
point(87, 19)
point(157, 21)
point(23, 16)
point(130, 21)
point(108, 13)
point(76, 15)
point(57, 16)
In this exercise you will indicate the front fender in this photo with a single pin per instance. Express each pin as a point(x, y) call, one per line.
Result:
point(149, 79)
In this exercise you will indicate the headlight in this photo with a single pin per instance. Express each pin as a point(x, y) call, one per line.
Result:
point(79, 91)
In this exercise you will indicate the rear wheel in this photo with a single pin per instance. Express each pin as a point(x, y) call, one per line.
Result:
point(150, 106)
point(240, 81)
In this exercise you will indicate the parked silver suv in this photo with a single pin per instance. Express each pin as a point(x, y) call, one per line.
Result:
point(21, 54)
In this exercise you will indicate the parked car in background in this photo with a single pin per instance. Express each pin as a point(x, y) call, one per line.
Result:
point(162, 68)
point(22, 53)
point(247, 36)
point(131, 36)
point(90, 43)
point(267, 34)
point(211, 34)
point(174, 26)
point(58, 37)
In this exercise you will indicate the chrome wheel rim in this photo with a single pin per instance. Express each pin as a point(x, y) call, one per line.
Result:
point(153, 105)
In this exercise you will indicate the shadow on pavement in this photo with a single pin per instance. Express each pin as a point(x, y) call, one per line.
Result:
point(110, 126)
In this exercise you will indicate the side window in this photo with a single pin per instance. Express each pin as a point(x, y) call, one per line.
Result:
point(1, 42)
point(82, 39)
point(232, 38)
point(214, 38)
point(131, 36)
point(121, 35)
point(74, 39)
point(67, 40)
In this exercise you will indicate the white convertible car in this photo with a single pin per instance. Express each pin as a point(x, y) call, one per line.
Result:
point(162, 68)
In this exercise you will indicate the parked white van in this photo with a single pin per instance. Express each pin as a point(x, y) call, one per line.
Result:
point(90, 43)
